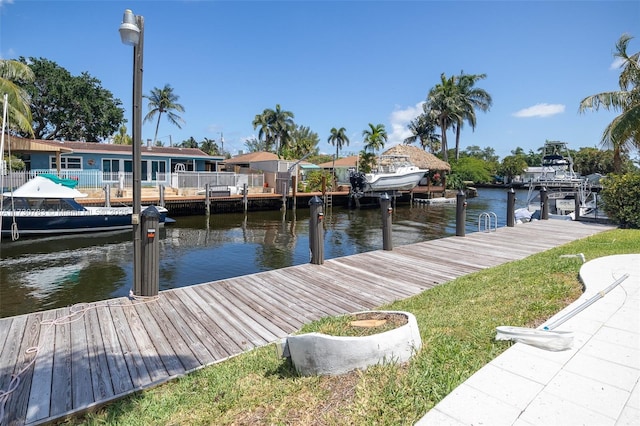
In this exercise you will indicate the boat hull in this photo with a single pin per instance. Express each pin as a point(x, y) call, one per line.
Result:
point(393, 182)
point(39, 223)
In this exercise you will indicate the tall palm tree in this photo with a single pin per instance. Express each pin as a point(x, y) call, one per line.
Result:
point(423, 128)
point(623, 133)
point(276, 126)
point(12, 73)
point(444, 106)
point(163, 101)
point(339, 139)
point(470, 99)
point(374, 137)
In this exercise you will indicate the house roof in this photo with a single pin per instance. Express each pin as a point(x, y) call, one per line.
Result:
point(22, 144)
point(419, 157)
point(93, 147)
point(18, 144)
point(252, 157)
point(351, 161)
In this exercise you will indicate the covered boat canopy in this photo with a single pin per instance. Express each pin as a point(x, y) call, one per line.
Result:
point(42, 187)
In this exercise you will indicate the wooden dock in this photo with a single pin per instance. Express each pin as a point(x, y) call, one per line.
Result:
point(65, 361)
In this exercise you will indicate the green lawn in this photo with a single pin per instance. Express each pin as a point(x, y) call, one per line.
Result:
point(457, 323)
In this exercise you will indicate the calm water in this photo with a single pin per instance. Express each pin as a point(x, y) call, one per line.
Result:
point(39, 274)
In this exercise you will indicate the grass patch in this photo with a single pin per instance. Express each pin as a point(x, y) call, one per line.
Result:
point(457, 323)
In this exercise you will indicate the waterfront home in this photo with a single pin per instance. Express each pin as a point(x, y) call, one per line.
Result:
point(93, 163)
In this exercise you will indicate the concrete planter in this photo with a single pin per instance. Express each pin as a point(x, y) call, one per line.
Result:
point(321, 354)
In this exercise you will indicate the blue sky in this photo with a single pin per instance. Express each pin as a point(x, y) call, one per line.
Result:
point(343, 63)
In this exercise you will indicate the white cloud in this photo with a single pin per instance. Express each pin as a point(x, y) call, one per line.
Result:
point(540, 110)
point(2, 2)
point(616, 64)
point(399, 120)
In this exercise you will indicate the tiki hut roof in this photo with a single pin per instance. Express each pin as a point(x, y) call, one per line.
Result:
point(419, 157)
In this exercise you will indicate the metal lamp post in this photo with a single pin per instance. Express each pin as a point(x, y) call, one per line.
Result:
point(132, 34)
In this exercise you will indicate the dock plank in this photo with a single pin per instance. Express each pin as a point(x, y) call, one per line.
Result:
point(41, 382)
point(123, 345)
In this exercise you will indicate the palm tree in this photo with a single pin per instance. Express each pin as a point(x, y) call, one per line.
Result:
point(275, 128)
point(444, 106)
point(375, 137)
point(338, 138)
point(163, 101)
point(470, 98)
point(209, 146)
point(423, 128)
point(623, 133)
point(12, 73)
point(122, 138)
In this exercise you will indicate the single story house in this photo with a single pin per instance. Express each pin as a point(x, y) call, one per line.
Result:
point(108, 162)
point(274, 168)
point(342, 168)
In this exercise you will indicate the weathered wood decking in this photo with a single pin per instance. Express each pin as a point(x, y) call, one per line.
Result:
point(116, 347)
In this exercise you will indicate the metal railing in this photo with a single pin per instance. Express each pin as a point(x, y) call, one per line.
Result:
point(95, 180)
point(485, 222)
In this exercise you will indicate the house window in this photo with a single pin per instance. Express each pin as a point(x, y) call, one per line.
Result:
point(157, 167)
point(66, 163)
point(110, 169)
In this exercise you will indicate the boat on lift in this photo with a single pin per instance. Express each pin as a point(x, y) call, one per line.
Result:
point(394, 173)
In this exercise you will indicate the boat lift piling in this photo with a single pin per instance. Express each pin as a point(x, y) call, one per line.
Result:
point(461, 206)
point(511, 204)
point(316, 231)
point(107, 195)
point(387, 216)
point(544, 204)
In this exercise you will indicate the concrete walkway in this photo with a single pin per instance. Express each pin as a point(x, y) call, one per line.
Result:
point(593, 383)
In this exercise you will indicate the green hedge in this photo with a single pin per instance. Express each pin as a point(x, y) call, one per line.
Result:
point(621, 198)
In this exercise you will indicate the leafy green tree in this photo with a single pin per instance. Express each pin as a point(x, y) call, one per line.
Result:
point(623, 133)
point(275, 126)
point(534, 159)
point(374, 137)
point(472, 169)
point(512, 166)
point(255, 145)
point(423, 128)
point(18, 99)
point(366, 161)
point(163, 101)
point(621, 196)
point(189, 143)
point(122, 138)
point(14, 163)
point(587, 161)
point(65, 107)
point(304, 142)
point(487, 154)
point(470, 99)
point(209, 146)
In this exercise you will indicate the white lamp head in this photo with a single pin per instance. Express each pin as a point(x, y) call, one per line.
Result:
point(129, 31)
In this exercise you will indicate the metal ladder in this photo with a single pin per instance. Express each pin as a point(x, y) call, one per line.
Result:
point(485, 219)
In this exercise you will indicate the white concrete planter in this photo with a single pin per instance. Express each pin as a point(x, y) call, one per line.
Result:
point(321, 354)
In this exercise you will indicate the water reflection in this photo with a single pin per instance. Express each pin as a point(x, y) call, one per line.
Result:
point(40, 274)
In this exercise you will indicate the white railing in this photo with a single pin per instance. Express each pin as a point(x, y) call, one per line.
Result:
point(95, 180)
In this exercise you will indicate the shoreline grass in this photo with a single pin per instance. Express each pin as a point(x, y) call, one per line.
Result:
point(457, 323)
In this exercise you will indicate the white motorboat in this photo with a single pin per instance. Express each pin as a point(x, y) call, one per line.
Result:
point(394, 173)
point(46, 205)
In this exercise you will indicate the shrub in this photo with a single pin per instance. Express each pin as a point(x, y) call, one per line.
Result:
point(621, 198)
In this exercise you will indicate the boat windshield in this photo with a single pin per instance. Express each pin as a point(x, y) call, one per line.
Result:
point(40, 204)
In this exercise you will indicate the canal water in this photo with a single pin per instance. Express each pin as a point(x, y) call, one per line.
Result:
point(47, 273)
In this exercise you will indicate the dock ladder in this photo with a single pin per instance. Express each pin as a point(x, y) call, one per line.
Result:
point(485, 222)
point(328, 200)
